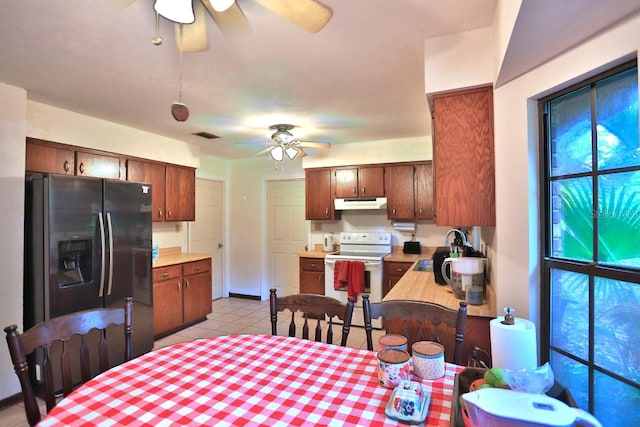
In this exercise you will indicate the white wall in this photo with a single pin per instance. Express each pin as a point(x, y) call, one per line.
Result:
point(247, 219)
point(58, 125)
point(516, 273)
point(12, 152)
point(459, 60)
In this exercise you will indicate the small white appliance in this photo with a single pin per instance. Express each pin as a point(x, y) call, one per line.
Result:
point(499, 407)
point(328, 243)
point(370, 248)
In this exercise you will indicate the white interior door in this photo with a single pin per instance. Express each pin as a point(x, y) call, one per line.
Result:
point(287, 232)
point(206, 232)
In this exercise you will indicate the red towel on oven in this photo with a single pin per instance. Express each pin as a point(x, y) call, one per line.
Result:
point(355, 284)
point(340, 274)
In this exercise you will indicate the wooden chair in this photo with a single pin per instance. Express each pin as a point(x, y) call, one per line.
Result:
point(44, 335)
point(426, 317)
point(313, 307)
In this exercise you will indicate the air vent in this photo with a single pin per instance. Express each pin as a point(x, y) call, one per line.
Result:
point(206, 135)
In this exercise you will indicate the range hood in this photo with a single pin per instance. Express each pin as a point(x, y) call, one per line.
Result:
point(376, 203)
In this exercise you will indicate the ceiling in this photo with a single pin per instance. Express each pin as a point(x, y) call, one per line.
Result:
point(361, 78)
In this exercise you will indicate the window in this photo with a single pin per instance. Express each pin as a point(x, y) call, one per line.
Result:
point(590, 163)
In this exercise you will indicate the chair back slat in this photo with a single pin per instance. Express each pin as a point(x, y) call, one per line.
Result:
point(59, 331)
point(314, 307)
point(85, 367)
point(430, 319)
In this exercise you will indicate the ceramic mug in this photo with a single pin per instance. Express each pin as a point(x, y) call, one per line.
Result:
point(394, 366)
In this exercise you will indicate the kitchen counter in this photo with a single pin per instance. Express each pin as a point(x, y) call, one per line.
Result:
point(421, 286)
point(317, 252)
point(174, 255)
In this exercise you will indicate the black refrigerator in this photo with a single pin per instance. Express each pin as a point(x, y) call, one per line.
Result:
point(88, 245)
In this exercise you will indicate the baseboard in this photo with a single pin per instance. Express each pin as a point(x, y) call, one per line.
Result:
point(11, 400)
point(253, 297)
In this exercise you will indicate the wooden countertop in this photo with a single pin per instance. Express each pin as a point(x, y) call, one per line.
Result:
point(421, 286)
point(174, 255)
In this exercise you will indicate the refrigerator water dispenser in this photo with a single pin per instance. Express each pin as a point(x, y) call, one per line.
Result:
point(74, 262)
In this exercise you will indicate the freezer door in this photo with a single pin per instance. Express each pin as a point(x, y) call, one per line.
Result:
point(127, 213)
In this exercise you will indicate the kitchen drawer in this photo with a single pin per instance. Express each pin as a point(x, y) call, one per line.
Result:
point(196, 267)
point(397, 268)
point(311, 264)
point(168, 272)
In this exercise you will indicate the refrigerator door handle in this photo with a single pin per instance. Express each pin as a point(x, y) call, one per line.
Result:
point(103, 245)
point(110, 286)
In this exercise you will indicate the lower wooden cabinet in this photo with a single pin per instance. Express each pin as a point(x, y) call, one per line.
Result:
point(312, 276)
point(392, 272)
point(181, 296)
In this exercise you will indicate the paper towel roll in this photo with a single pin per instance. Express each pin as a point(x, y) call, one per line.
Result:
point(513, 346)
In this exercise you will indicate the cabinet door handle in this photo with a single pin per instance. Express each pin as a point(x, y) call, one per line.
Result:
point(393, 210)
point(197, 268)
point(364, 189)
point(65, 166)
point(326, 212)
point(168, 213)
point(81, 167)
point(178, 285)
point(186, 283)
point(159, 213)
point(354, 190)
point(165, 274)
point(312, 265)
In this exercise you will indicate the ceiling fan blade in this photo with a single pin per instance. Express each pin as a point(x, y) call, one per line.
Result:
point(231, 22)
point(261, 152)
point(194, 36)
point(313, 144)
point(301, 152)
point(308, 14)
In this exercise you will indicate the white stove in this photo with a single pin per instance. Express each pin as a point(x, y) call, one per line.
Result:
point(369, 248)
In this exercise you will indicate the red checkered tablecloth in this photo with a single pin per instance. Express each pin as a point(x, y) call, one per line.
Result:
point(244, 380)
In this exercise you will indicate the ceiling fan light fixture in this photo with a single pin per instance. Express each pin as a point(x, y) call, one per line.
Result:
point(179, 11)
point(277, 153)
point(221, 5)
point(292, 152)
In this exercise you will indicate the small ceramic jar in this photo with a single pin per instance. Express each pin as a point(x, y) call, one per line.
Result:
point(428, 359)
point(394, 366)
point(392, 341)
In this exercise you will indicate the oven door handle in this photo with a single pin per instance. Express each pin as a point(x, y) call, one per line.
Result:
point(366, 263)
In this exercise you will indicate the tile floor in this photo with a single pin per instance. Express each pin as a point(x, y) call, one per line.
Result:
point(229, 316)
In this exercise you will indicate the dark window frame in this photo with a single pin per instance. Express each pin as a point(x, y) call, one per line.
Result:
point(547, 263)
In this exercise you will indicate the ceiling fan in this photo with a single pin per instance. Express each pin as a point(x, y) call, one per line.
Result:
point(283, 143)
point(311, 15)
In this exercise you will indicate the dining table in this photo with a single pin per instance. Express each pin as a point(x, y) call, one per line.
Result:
point(245, 380)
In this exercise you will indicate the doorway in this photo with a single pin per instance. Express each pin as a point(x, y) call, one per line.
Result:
point(287, 234)
point(206, 232)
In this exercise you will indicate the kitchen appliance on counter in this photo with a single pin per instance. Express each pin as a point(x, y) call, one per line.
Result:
point(328, 243)
point(369, 248)
point(88, 245)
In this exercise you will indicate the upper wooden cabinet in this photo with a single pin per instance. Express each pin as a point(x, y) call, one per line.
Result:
point(173, 187)
point(319, 195)
point(463, 157)
point(400, 192)
point(423, 195)
point(409, 189)
point(48, 157)
point(152, 173)
point(99, 165)
point(180, 193)
point(359, 182)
